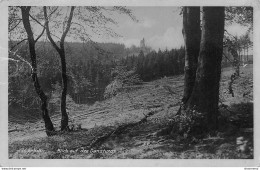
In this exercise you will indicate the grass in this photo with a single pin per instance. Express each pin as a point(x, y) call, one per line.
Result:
point(138, 142)
point(233, 141)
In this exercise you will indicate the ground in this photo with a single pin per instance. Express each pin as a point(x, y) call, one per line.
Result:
point(158, 101)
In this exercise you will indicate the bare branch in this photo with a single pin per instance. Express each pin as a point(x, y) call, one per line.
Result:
point(48, 30)
point(126, 11)
point(227, 57)
point(36, 20)
point(40, 34)
point(230, 34)
point(21, 58)
point(15, 26)
point(18, 44)
point(43, 25)
point(67, 27)
point(53, 12)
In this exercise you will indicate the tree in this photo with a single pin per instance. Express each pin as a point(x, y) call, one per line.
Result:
point(92, 19)
point(61, 50)
point(191, 33)
point(27, 26)
point(86, 18)
point(202, 105)
point(244, 17)
point(241, 15)
point(232, 43)
point(245, 43)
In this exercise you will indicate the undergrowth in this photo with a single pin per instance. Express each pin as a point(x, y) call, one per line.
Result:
point(233, 140)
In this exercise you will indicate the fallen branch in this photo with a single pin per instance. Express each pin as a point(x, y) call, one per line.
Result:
point(13, 130)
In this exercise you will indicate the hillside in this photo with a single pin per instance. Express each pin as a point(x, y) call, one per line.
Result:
point(129, 126)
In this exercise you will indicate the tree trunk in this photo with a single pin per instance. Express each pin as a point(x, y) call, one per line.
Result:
point(64, 115)
point(61, 51)
point(191, 33)
point(205, 95)
point(236, 61)
point(247, 54)
point(244, 56)
point(26, 22)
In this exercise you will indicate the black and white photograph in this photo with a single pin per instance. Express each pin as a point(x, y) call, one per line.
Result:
point(172, 82)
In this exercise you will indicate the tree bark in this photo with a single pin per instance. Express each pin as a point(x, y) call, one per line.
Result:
point(61, 51)
point(247, 53)
point(205, 95)
point(26, 22)
point(64, 118)
point(236, 57)
point(192, 34)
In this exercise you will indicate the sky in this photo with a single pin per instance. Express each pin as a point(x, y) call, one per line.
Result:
point(161, 27)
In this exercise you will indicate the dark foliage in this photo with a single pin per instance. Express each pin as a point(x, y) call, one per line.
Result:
point(90, 67)
point(157, 64)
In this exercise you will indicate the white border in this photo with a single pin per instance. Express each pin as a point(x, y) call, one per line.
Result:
point(4, 161)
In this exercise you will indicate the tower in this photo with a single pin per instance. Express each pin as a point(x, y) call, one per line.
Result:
point(142, 43)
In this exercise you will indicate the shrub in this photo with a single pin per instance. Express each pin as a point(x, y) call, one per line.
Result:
point(123, 79)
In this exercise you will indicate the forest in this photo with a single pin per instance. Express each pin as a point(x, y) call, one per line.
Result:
point(108, 100)
point(89, 70)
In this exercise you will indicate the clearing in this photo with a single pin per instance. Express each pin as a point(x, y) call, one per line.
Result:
point(157, 101)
